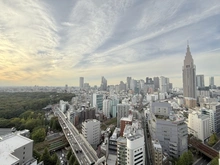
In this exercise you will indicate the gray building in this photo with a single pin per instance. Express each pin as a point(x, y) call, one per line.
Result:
point(169, 128)
point(81, 82)
point(200, 81)
point(189, 75)
point(122, 111)
point(156, 83)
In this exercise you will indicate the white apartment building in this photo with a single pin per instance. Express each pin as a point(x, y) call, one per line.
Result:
point(16, 150)
point(91, 131)
point(131, 147)
point(169, 128)
point(198, 125)
point(122, 111)
point(107, 106)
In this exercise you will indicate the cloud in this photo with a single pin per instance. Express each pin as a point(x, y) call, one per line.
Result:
point(55, 42)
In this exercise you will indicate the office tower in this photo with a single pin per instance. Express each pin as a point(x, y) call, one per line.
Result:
point(16, 149)
point(156, 83)
point(129, 82)
point(211, 81)
point(107, 106)
point(200, 81)
point(149, 80)
point(189, 75)
point(122, 111)
point(169, 128)
point(103, 84)
point(122, 86)
point(164, 84)
point(133, 84)
point(91, 131)
point(81, 82)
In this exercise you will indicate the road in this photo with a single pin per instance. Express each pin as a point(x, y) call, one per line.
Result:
point(202, 161)
point(83, 151)
point(217, 146)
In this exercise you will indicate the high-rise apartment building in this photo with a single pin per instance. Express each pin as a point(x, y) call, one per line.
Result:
point(107, 107)
point(189, 75)
point(91, 131)
point(81, 82)
point(200, 81)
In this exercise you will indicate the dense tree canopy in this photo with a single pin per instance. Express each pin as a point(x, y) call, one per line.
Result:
point(186, 158)
point(215, 161)
point(213, 139)
point(38, 134)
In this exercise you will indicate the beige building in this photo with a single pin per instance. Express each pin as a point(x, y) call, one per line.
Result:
point(190, 102)
point(189, 76)
point(157, 152)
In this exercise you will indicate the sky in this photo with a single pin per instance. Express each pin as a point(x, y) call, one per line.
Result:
point(54, 42)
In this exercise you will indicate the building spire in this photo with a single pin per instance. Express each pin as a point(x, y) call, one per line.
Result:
point(188, 49)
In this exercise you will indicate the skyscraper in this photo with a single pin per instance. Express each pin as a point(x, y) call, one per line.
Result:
point(156, 83)
point(211, 81)
point(103, 84)
point(129, 82)
point(200, 80)
point(81, 82)
point(189, 75)
point(164, 84)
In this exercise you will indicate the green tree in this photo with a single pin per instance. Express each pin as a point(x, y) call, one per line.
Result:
point(72, 159)
point(36, 155)
point(213, 139)
point(46, 157)
point(55, 158)
point(38, 134)
point(69, 154)
point(215, 161)
point(185, 159)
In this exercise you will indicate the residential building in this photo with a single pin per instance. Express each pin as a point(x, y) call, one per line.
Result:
point(199, 125)
point(91, 131)
point(107, 107)
point(157, 152)
point(200, 81)
point(189, 75)
point(190, 102)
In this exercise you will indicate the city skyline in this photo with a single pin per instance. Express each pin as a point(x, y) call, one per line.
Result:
point(53, 43)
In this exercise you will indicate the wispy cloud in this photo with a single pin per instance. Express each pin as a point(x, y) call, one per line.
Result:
point(54, 42)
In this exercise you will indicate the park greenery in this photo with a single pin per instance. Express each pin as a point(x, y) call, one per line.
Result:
point(215, 161)
point(25, 111)
point(213, 139)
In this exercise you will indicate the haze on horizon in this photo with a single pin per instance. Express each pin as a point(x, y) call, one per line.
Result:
point(53, 42)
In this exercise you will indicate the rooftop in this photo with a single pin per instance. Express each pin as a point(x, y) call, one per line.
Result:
point(8, 145)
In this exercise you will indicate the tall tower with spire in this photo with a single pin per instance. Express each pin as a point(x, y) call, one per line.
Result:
point(189, 75)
